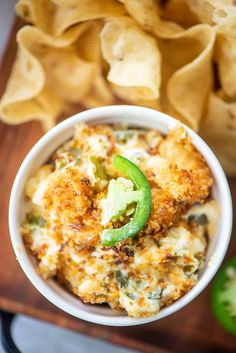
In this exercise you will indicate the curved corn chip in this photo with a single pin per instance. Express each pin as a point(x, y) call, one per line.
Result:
point(89, 46)
point(133, 56)
point(67, 74)
point(66, 3)
point(188, 13)
point(47, 73)
point(38, 12)
point(188, 87)
point(24, 96)
point(126, 95)
point(202, 9)
point(55, 19)
point(219, 130)
point(224, 16)
point(226, 58)
point(180, 12)
point(100, 93)
point(147, 14)
point(44, 107)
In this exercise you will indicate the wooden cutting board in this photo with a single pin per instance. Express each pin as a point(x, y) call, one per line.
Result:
point(191, 330)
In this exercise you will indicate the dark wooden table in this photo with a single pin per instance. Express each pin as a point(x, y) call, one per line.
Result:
point(191, 330)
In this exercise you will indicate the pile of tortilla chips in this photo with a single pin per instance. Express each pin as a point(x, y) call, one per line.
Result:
point(177, 56)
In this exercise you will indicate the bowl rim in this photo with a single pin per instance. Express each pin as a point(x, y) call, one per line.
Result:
point(93, 115)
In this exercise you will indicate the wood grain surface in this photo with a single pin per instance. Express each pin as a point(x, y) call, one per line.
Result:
point(191, 330)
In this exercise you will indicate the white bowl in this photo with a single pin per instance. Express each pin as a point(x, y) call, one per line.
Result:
point(40, 153)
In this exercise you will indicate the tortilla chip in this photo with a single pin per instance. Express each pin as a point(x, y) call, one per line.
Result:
point(24, 96)
point(147, 14)
point(89, 46)
point(202, 10)
point(179, 12)
point(224, 16)
point(187, 74)
point(186, 64)
point(66, 3)
point(86, 10)
point(47, 73)
point(225, 55)
point(133, 56)
point(56, 19)
point(38, 12)
point(67, 74)
point(126, 95)
point(219, 130)
point(188, 13)
point(44, 107)
point(149, 103)
point(100, 94)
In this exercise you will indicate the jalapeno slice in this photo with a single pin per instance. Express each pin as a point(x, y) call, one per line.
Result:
point(224, 296)
point(143, 206)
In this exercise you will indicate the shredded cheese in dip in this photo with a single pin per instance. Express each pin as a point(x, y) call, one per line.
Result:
point(69, 205)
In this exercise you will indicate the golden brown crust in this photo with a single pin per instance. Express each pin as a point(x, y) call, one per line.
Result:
point(188, 167)
point(165, 212)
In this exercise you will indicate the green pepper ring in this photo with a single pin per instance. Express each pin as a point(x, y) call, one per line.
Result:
point(218, 308)
point(143, 208)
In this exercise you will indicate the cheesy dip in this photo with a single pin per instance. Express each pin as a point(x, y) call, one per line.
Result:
point(80, 194)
